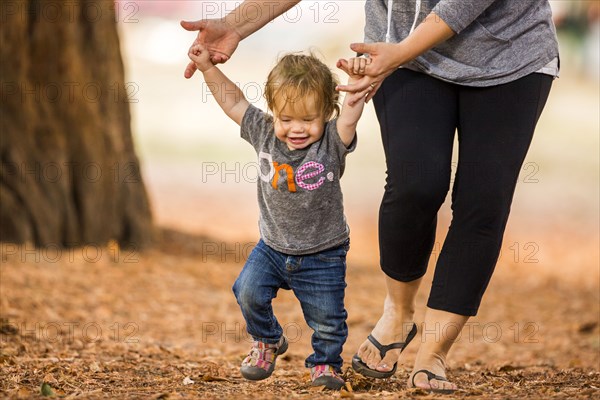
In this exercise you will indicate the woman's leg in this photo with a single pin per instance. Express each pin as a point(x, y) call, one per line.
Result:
point(495, 130)
point(418, 116)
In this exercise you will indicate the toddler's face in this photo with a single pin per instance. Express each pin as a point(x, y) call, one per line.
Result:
point(299, 124)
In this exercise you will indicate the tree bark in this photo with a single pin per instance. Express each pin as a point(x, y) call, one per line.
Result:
point(70, 175)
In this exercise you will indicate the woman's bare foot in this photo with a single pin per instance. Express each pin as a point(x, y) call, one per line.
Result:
point(393, 326)
point(390, 328)
point(431, 375)
point(440, 330)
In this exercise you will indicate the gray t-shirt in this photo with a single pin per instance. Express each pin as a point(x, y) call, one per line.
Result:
point(496, 41)
point(299, 193)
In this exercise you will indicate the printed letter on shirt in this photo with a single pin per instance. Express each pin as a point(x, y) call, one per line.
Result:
point(289, 174)
point(301, 176)
point(265, 177)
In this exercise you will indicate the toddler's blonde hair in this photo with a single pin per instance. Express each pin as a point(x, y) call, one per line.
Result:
point(297, 76)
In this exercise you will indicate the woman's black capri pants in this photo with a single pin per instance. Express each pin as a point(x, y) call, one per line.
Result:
point(419, 116)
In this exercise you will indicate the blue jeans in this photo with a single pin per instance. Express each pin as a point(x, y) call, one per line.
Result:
point(318, 281)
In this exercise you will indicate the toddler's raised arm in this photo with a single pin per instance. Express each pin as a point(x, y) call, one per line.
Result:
point(229, 97)
point(350, 114)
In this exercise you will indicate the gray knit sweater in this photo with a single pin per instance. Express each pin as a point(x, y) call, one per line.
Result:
point(496, 41)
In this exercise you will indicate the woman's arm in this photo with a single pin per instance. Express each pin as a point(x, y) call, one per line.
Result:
point(222, 36)
point(387, 57)
point(252, 15)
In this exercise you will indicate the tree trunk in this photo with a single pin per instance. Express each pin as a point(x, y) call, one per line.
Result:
point(69, 176)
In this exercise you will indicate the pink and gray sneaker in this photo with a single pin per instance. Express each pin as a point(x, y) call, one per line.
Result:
point(325, 375)
point(260, 362)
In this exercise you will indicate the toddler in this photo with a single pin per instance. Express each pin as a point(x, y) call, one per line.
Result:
point(301, 145)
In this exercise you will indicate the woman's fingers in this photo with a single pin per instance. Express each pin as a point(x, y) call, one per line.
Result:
point(363, 48)
point(371, 94)
point(193, 25)
point(363, 84)
point(366, 86)
point(219, 58)
point(190, 70)
point(354, 65)
point(356, 97)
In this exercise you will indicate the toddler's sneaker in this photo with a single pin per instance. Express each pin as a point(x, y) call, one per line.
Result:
point(325, 375)
point(260, 362)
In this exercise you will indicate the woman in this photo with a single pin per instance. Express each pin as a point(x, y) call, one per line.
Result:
point(482, 68)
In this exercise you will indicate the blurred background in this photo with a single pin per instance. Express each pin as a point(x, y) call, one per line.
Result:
point(201, 175)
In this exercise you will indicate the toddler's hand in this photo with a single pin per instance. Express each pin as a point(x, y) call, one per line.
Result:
point(201, 57)
point(355, 66)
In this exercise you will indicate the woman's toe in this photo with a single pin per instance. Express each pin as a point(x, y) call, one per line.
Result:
point(450, 385)
point(383, 367)
point(387, 364)
point(367, 356)
point(421, 381)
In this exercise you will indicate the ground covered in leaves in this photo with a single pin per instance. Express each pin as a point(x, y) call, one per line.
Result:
point(163, 324)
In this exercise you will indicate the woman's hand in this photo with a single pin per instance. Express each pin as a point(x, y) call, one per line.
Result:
point(384, 58)
point(216, 35)
point(355, 68)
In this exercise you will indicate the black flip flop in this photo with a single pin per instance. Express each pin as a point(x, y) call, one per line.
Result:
point(359, 366)
point(430, 376)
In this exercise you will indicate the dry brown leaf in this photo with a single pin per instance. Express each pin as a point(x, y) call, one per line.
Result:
point(509, 367)
point(211, 378)
point(50, 379)
point(94, 367)
point(24, 393)
point(587, 327)
point(348, 386)
point(166, 396)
